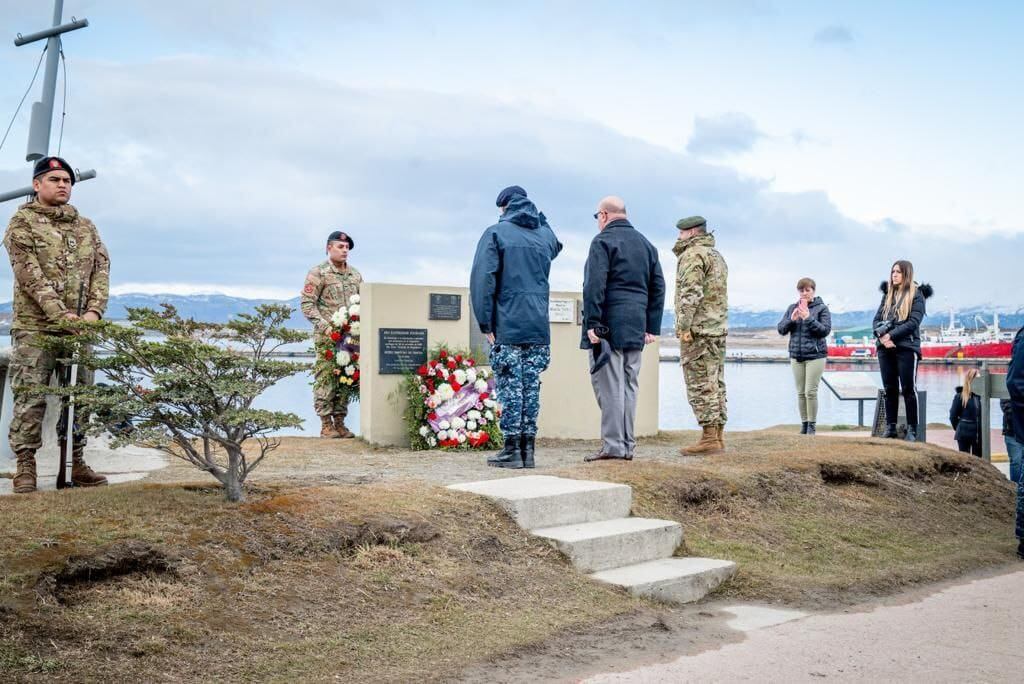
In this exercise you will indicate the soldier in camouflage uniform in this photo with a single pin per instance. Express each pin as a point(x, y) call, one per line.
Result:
point(327, 289)
point(702, 304)
point(54, 251)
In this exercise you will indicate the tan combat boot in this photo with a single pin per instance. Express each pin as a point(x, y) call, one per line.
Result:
point(721, 437)
point(708, 443)
point(25, 476)
point(339, 425)
point(327, 429)
point(82, 475)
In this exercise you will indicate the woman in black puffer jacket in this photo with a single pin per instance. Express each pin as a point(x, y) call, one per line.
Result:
point(897, 327)
point(807, 322)
point(965, 416)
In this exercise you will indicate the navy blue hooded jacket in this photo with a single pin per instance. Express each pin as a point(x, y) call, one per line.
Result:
point(508, 286)
point(623, 288)
point(1015, 384)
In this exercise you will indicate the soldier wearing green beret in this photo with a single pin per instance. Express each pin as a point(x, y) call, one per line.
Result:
point(55, 252)
point(702, 304)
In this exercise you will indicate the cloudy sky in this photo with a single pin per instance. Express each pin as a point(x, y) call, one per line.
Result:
point(821, 139)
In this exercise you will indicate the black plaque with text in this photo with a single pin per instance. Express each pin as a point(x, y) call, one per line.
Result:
point(402, 350)
point(445, 307)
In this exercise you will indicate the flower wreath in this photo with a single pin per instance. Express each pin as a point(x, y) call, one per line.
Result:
point(337, 350)
point(451, 403)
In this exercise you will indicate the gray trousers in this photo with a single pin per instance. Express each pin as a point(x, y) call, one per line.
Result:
point(615, 387)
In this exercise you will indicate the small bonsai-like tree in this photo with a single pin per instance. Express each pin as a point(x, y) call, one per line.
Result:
point(188, 388)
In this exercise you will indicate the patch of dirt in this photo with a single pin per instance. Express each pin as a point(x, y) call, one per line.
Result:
point(116, 560)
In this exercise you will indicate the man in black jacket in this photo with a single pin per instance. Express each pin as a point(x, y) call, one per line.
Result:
point(1015, 385)
point(623, 300)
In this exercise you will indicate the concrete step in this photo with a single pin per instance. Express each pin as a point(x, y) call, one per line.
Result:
point(607, 544)
point(674, 580)
point(543, 501)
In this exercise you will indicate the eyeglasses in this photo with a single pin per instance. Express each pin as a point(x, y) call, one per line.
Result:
point(596, 214)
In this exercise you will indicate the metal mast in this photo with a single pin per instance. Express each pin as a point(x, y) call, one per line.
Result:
point(42, 111)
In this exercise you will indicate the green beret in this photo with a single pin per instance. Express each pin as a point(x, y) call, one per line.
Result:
point(691, 222)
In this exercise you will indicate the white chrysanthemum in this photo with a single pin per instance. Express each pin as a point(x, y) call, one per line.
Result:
point(424, 431)
point(350, 369)
point(470, 375)
point(460, 376)
point(353, 310)
point(444, 372)
point(445, 392)
point(444, 425)
point(342, 358)
point(431, 441)
point(458, 423)
point(354, 299)
point(480, 386)
point(473, 415)
point(339, 317)
point(471, 425)
point(489, 403)
point(484, 373)
point(355, 327)
point(489, 415)
point(462, 438)
point(443, 434)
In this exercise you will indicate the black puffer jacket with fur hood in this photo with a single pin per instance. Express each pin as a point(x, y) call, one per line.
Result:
point(905, 333)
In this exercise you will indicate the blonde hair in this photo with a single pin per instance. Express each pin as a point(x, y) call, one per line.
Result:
point(899, 303)
point(965, 393)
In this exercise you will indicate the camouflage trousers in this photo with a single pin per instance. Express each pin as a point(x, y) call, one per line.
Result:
point(703, 362)
point(33, 365)
point(517, 369)
point(329, 398)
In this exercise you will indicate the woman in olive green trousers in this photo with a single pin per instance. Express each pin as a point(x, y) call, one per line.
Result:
point(807, 322)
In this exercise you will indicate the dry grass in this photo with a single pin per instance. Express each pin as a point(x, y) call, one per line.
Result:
point(402, 580)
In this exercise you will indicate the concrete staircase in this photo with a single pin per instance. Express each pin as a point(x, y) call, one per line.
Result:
point(589, 522)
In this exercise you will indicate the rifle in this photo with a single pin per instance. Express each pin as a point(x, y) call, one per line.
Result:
point(66, 424)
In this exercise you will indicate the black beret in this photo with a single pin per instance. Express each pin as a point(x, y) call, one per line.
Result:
point(691, 222)
point(338, 236)
point(50, 163)
point(506, 195)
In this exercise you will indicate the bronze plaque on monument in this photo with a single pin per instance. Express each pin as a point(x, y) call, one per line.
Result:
point(445, 307)
point(402, 350)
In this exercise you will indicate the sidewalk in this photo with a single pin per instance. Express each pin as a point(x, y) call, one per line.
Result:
point(970, 632)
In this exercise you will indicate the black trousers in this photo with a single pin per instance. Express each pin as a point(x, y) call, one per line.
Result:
point(970, 446)
point(899, 375)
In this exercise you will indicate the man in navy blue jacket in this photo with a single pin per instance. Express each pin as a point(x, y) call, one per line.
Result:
point(509, 292)
point(1015, 385)
point(623, 302)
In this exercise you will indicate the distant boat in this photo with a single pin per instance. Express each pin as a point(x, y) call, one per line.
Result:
point(953, 342)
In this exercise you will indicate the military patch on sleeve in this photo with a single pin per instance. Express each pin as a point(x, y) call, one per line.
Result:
point(309, 288)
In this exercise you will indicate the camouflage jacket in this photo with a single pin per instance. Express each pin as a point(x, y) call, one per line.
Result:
point(53, 251)
point(327, 289)
point(702, 298)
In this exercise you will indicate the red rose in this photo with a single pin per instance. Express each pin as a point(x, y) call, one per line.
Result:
point(355, 356)
point(484, 395)
point(452, 365)
point(329, 354)
point(354, 318)
point(422, 371)
point(470, 362)
point(430, 385)
point(432, 415)
point(433, 364)
point(346, 327)
point(443, 354)
point(455, 386)
point(335, 336)
point(355, 376)
point(458, 358)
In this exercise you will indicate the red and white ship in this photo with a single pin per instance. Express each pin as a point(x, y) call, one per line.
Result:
point(953, 342)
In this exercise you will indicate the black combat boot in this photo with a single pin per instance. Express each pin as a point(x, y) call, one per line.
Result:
point(890, 431)
point(810, 429)
point(508, 457)
point(911, 434)
point(526, 447)
point(803, 428)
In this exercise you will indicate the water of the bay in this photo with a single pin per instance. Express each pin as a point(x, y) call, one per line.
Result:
point(760, 395)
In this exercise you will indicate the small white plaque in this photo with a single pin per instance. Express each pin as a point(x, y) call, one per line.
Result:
point(562, 310)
